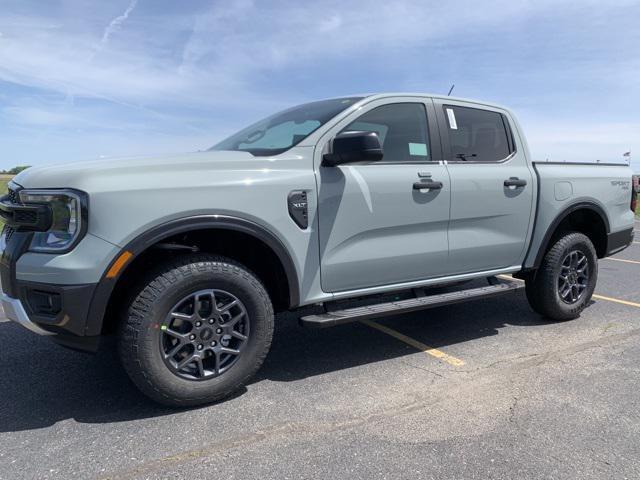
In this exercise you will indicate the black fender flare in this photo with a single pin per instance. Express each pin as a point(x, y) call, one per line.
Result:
point(105, 286)
point(581, 205)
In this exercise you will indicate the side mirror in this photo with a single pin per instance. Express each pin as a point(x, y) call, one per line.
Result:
point(350, 147)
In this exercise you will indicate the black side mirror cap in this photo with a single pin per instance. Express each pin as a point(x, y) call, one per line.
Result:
point(352, 147)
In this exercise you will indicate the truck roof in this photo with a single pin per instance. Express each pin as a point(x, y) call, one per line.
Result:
point(377, 95)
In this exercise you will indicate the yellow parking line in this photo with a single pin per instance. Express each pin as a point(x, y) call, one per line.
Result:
point(434, 352)
point(622, 260)
point(595, 295)
point(456, 362)
point(616, 300)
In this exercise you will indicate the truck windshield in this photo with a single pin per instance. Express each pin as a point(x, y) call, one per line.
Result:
point(281, 131)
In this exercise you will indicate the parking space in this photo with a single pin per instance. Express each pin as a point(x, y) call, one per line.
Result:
point(478, 390)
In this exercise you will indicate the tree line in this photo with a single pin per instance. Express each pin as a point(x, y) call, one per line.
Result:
point(15, 170)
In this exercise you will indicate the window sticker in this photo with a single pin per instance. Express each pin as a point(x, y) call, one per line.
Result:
point(452, 119)
point(419, 149)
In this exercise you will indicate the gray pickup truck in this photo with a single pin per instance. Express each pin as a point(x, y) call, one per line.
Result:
point(355, 205)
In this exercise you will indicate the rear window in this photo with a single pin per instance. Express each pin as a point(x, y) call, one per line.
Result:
point(477, 135)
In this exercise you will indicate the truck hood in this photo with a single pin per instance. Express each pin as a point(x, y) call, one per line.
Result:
point(82, 175)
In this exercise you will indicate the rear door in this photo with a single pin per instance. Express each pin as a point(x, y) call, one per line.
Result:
point(491, 187)
point(375, 228)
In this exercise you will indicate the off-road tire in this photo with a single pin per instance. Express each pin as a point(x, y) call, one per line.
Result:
point(542, 289)
point(140, 339)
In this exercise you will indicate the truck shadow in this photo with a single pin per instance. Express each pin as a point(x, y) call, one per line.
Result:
point(43, 384)
point(299, 353)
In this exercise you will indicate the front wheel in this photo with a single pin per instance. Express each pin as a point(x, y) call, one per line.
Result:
point(198, 329)
point(562, 288)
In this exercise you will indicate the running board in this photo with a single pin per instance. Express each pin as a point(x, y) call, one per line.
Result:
point(338, 317)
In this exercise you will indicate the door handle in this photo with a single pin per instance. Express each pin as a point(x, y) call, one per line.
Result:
point(427, 184)
point(514, 182)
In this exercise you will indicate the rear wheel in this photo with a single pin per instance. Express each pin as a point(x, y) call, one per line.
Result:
point(198, 329)
point(562, 288)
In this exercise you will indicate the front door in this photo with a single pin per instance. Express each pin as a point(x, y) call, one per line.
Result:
point(375, 227)
point(492, 188)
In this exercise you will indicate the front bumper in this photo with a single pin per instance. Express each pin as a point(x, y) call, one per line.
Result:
point(14, 310)
point(34, 297)
point(59, 312)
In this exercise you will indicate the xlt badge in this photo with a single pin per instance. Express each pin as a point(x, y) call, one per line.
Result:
point(298, 210)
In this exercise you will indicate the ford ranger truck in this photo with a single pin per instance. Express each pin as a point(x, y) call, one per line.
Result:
point(355, 205)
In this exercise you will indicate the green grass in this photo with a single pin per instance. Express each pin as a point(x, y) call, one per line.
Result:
point(4, 180)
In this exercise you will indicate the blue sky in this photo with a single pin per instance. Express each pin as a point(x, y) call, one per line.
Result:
point(81, 79)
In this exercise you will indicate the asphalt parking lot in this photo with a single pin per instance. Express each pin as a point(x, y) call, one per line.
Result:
point(479, 390)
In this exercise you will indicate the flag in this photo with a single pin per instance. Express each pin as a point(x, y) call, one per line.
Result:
point(626, 154)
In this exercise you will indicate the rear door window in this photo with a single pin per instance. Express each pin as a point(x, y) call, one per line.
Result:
point(477, 135)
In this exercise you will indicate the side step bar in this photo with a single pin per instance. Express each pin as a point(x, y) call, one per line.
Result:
point(353, 314)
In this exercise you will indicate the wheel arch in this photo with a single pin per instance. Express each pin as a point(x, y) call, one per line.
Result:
point(585, 217)
point(147, 240)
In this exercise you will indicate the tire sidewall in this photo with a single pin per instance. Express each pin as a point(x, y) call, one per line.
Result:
point(563, 247)
point(180, 284)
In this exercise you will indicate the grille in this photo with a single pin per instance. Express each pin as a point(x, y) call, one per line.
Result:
point(13, 196)
point(8, 232)
point(25, 217)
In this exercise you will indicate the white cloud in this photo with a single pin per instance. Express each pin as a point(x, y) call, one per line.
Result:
point(228, 45)
point(116, 22)
point(177, 68)
point(38, 116)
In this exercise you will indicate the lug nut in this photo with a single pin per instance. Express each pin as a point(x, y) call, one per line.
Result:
point(198, 324)
point(214, 343)
point(192, 337)
point(219, 330)
point(199, 347)
point(211, 321)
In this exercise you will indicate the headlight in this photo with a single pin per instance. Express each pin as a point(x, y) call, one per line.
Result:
point(68, 218)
